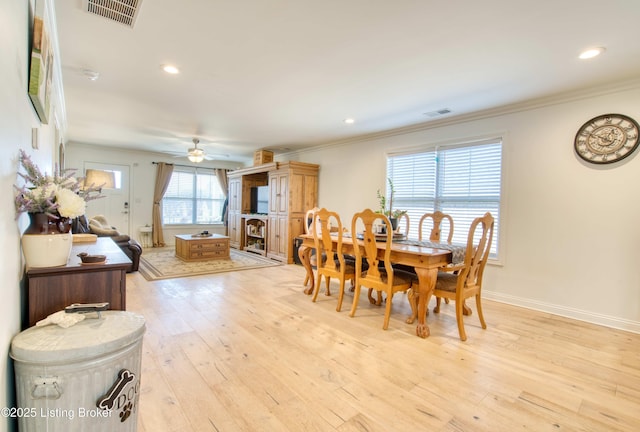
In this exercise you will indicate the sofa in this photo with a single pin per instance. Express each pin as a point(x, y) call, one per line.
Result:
point(99, 226)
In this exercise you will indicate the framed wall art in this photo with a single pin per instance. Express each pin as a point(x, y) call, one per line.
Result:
point(41, 64)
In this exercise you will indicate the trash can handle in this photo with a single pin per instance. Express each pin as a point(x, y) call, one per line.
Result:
point(46, 388)
point(87, 308)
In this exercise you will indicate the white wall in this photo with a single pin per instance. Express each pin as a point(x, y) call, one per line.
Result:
point(142, 180)
point(17, 118)
point(570, 230)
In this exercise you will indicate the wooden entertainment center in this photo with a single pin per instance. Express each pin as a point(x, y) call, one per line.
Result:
point(293, 189)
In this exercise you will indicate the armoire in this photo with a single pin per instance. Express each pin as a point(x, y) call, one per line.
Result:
point(293, 189)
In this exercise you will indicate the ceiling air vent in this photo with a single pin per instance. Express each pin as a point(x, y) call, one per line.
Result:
point(121, 11)
point(438, 113)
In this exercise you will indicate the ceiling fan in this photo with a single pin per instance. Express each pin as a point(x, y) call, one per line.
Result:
point(195, 154)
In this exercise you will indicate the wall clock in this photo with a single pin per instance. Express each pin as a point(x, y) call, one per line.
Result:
point(607, 138)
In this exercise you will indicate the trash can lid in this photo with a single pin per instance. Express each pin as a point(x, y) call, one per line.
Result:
point(88, 339)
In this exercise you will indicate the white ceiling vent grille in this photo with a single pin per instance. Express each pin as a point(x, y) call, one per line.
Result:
point(438, 113)
point(121, 11)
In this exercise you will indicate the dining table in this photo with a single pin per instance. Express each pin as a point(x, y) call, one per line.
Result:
point(426, 257)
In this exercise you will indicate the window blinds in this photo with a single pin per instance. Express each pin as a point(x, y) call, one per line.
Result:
point(463, 181)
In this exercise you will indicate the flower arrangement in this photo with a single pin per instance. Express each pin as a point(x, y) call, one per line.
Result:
point(58, 195)
point(383, 203)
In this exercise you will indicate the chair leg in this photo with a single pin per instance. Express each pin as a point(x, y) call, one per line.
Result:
point(370, 296)
point(356, 296)
point(459, 319)
point(340, 295)
point(412, 296)
point(328, 291)
point(306, 280)
point(479, 308)
point(437, 308)
point(373, 301)
point(387, 312)
point(316, 288)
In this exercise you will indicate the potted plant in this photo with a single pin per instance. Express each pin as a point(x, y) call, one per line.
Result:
point(51, 201)
point(392, 214)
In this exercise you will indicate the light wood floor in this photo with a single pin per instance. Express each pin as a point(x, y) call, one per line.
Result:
point(248, 351)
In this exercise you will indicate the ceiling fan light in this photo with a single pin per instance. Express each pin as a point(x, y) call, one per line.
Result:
point(195, 154)
point(196, 158)
point(196, 151)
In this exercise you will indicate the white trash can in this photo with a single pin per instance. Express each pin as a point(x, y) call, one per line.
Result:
point(82, 378)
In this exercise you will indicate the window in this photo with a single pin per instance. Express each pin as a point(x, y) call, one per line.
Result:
point(193, 196)
point(462, 181)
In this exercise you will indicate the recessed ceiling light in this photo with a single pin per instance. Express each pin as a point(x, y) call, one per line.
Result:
point(170, 69)
point(591, 53)
point(91, 74)
point(349, 121)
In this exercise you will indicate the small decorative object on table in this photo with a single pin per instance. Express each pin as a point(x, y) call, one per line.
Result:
point(393, 215)
point(51, 201)
point(202, 234)
point(92, 259)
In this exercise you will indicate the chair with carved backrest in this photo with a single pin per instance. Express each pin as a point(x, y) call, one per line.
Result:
point(436, 228)
point(403, 225)
point(328, 228)
point(308, 229)
point(380, 275)
point(467, 281)
point(436, 218)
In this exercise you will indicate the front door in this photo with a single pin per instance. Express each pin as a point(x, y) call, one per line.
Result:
point(116, 203)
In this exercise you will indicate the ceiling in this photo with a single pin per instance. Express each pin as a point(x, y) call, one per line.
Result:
point(284, 74)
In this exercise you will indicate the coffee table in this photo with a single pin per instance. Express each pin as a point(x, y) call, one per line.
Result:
point(191, 247)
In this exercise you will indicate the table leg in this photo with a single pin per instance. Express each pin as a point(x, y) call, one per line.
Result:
point(304, 253)
point(427, 281)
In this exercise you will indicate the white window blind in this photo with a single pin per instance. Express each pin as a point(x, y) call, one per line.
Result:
point(193, 196)
point(464, 182)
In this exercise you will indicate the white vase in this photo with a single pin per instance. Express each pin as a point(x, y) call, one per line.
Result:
point(47, 241)
point(46, 250)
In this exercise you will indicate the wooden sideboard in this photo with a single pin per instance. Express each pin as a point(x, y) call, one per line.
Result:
point(50, 289)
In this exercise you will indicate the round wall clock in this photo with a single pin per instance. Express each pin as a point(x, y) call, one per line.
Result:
point(607, 138)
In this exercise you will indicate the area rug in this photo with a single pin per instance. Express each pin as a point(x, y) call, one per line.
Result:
point(163, 264)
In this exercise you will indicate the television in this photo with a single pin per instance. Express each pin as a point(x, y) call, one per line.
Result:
point(260, 199)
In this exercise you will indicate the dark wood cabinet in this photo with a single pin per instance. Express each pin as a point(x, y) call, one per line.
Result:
point(51, 289)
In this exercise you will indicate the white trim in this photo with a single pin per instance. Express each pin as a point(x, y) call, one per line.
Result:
point(578, 314)
point(529, 105)
point(448, 144)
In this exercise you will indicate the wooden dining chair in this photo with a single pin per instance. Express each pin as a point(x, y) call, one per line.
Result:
point(437, 219)
point(380, 275)
point(333, 263)
point(436, 225)
point(308, 222)
point(403, 225)
point(467, 282)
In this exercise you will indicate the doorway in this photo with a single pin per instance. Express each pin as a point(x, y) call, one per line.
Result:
point(115, 206)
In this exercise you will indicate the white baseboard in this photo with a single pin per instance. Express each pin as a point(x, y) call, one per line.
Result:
point(581, 315)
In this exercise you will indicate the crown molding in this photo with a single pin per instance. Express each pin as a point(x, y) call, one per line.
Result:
point(528, 105)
